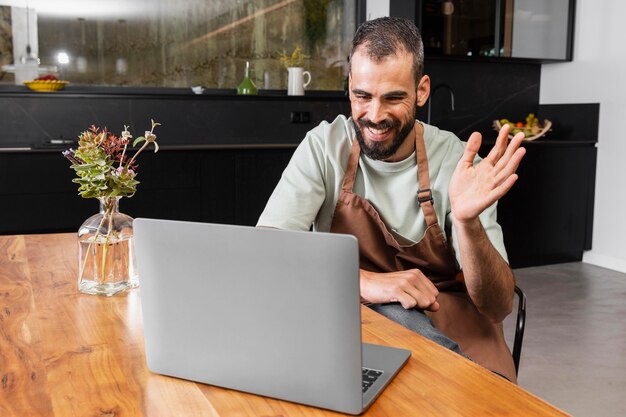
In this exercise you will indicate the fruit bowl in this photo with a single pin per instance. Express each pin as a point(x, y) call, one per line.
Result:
point(46, 85)
point(532, 129)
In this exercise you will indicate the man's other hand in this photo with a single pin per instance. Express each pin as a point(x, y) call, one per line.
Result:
point(474, 188)
point(411, 288)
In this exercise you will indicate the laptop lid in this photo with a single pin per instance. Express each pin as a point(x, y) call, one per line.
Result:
point(265, 311)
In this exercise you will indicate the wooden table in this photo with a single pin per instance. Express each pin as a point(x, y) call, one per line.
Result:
point(67, 354)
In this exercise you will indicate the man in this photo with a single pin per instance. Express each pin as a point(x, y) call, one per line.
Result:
point(420, 202)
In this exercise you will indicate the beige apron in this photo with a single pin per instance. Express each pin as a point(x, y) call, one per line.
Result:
point(379, 251)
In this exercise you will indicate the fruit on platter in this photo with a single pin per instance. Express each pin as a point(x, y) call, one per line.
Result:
point(530, 128)
point(48, 77)
point(46, 83)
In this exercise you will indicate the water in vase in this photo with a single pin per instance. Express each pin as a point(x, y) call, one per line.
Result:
point(109, 266)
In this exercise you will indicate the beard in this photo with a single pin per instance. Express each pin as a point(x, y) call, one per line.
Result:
point(378, 150)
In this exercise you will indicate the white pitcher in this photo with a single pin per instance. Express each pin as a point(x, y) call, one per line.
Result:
point(296, 84)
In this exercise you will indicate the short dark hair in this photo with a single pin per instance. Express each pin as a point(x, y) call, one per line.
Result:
point(387, 36)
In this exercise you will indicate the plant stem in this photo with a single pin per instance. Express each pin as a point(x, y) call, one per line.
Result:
point(105, 250)
point(146, 143)
point(89, 248)
point(123, 154)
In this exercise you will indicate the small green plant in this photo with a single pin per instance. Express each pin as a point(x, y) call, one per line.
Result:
point(102, 165)
point(296, 59)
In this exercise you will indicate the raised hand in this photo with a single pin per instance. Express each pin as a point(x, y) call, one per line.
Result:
point(474, 188)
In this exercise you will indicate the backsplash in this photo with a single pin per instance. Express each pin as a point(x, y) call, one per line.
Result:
point(483, 91)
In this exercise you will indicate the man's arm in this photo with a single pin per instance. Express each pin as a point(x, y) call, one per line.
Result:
point(300, 192)
point(489, 280)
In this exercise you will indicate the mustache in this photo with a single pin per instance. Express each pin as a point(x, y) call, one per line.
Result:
point(385, 124)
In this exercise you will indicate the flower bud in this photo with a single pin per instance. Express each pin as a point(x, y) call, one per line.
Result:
point(150, 137)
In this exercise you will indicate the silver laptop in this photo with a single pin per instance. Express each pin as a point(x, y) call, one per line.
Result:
point(269, 312)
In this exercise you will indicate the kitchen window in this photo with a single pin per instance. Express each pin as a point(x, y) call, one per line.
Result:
point(163, 43)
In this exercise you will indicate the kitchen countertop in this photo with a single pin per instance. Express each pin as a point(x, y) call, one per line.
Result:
point(22, 149)
point(72, 91)
point(207, 147)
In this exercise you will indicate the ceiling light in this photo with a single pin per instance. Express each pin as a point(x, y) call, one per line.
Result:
point(63, 58)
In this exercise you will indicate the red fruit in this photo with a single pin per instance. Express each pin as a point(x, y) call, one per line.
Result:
point(48, 77)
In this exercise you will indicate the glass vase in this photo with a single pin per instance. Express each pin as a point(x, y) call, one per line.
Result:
point(247, 86)
point(106, 251)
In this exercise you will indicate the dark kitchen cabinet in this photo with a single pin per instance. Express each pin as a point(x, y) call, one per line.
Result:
point(219, 186)
point(529, 29)
point(547, 216)
point(221, 154)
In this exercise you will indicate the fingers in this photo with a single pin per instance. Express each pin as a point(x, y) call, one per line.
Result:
point(499, 148)
point(507, 167)
point(411, 288)
point(505, 160)
point(510, 151)
point(433, 307)
point(507, 176)
point(471, 149)
point(499, 191)
point(499, 154)
point(508, 164)
point(414, 290)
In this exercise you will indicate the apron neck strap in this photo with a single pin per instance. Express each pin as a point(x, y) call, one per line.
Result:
point(424, 193)
point(353, 163)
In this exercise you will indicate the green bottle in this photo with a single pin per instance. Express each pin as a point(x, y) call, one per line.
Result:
point(247, 87)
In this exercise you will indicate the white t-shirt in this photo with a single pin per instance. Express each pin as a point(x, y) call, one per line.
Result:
point(310, 185)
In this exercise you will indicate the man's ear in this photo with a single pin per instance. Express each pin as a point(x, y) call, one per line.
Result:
point(423, 90)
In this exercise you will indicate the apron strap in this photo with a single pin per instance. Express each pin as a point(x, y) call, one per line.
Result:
point(353, 162)
point(424, 193)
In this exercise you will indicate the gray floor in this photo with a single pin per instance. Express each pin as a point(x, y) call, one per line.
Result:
point(574, 351)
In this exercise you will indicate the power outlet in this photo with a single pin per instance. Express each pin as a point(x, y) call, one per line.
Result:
point(300, 117)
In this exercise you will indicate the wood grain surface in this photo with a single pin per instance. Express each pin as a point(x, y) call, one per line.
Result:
point(63, 353)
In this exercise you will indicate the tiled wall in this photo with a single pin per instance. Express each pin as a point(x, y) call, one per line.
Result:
point(483, 91)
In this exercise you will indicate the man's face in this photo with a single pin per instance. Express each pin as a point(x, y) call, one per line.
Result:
point(383, 97)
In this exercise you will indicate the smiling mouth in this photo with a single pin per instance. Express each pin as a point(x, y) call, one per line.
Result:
point(378, 134)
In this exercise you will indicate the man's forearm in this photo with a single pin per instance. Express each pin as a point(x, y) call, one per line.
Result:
point(489, 279)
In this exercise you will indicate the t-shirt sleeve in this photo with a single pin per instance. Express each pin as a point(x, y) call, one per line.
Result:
point(300, 193)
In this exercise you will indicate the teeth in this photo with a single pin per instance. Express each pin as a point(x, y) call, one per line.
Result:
point(378, 131)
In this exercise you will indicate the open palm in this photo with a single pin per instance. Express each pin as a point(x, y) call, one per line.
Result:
point(473, 188)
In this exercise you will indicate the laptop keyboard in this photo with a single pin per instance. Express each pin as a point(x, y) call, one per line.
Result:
point(369, 377)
